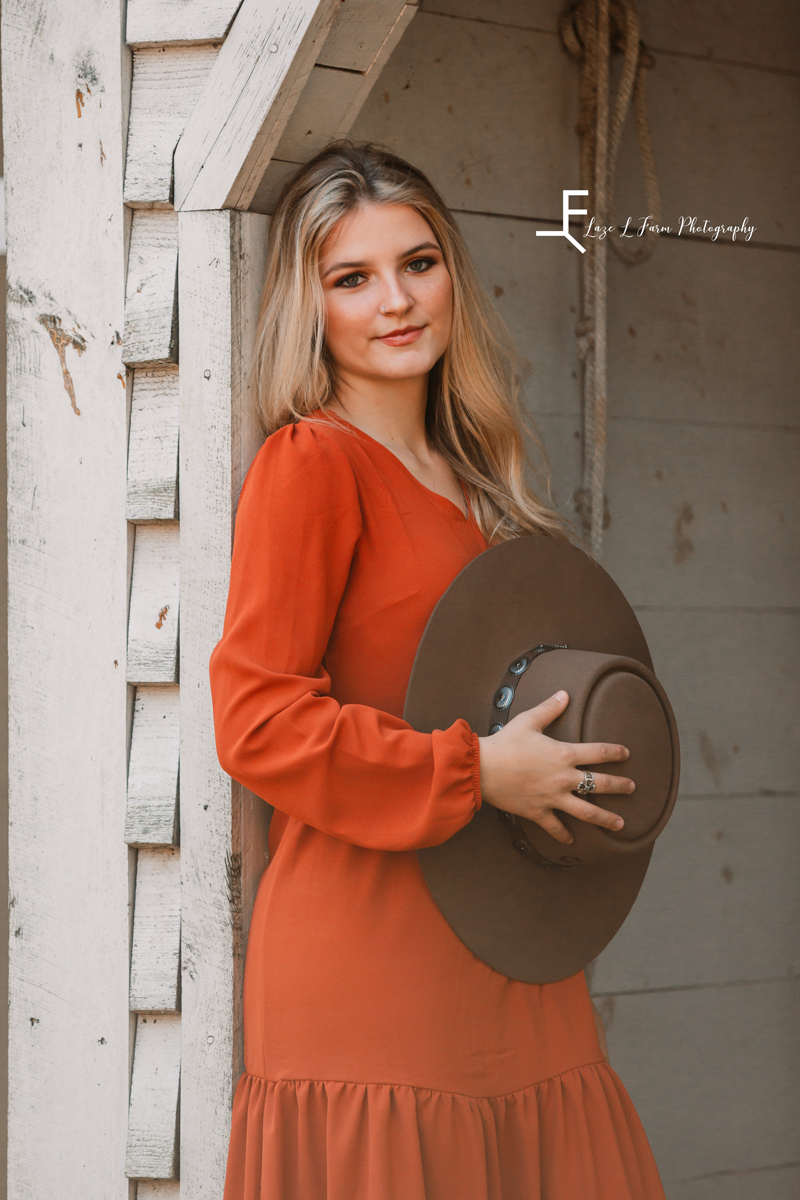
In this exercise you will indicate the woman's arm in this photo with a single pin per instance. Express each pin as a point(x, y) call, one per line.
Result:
point(352, 771)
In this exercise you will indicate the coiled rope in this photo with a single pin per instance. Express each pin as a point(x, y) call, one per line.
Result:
point(591, 30)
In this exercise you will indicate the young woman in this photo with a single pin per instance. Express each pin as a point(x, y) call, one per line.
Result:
point(384, 1060)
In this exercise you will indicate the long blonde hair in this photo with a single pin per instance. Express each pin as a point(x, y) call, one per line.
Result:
point(473, 415)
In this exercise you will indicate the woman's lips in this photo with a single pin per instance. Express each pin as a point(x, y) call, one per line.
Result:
point(402, 337)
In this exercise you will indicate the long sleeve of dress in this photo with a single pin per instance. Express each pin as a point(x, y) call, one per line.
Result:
point(350, 770)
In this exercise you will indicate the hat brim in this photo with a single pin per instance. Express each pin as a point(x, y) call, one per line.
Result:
point(525, 921)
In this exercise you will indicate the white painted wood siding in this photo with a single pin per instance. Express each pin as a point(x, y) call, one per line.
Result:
point(151, 817)
point(152, 1146)
point(63, 83)
point(156, 946)
point(153, 620)
point(167, 81)
point(221, 266)
point(151, 326)
point(248, 98)
point(153, 445)
point(154, 22)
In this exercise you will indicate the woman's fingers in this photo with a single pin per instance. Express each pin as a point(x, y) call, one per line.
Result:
point(596, 752)
point(545, 713)
point(592, 813)
point(618, 784)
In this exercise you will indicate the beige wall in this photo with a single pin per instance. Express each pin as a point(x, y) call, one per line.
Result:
point(699, 990)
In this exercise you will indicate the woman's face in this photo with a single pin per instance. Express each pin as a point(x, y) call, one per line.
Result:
point(388, 294)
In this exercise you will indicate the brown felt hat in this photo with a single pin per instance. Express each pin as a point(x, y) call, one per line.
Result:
point(522, 620)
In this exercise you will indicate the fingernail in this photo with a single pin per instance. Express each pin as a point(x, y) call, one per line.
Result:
point(569, 841)
point(618, 824)
point(560, 696)
point(631, 787)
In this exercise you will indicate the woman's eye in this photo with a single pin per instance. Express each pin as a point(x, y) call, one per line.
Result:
point(350, 281)
point(418, 265)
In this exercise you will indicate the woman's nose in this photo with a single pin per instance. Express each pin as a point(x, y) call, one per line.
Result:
point(395, 299)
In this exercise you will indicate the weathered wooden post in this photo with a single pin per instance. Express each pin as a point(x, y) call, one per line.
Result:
point(106, 548)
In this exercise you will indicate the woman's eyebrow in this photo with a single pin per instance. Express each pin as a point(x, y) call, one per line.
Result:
point(340, 266)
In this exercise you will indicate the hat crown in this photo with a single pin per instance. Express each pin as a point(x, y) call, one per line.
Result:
point(612, 699)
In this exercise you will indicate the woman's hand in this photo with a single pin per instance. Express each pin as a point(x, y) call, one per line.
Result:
point(525, 772)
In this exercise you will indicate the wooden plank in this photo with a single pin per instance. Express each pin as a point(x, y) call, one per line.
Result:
point(222, 828)
point(154, 22)
point(153, 445)
point(151, 817)
point(359, 32)
point(151, 326)
point(156, 944)
point(68, 1020)
point(167, 81)
point(713, 1075)
point(248, 98)
point(158, 1189)
point(328, 105)
point(733, 859)
point(153, 621)
point(152, 1147)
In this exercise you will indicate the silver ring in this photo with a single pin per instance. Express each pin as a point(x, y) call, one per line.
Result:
point(587, 784)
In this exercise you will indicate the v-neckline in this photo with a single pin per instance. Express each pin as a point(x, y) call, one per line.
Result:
point(395, 458)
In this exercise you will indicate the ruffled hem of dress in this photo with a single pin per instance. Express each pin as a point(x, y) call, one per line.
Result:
point(576, 1136)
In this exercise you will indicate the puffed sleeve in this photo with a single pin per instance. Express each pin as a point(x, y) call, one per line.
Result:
point(352, 771)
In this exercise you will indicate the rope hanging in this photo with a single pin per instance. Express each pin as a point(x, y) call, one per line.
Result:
point(591, 30)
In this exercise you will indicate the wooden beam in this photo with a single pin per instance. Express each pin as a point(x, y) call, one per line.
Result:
point(153, 446)
point(151, 817)
point(331, 100)
point(167, 82)
point(359, 33)
point(180, 22)
point(152, 1147)
point(248, 98)
point(223, 829)
point(153, 619)
point(151, 319)
point(68, 952)
point(156, 945)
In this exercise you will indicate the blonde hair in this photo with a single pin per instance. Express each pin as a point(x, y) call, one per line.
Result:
point(473, 415)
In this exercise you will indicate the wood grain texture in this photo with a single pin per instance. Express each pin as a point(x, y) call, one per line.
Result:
point(153, 445)
point(67, 602)
point(328, 105)
point(153, 620)
point(154, 22)
point(221, 265)
point(152, 1146)
point(248, 98)
point(167, 81)
point(722, 1062)
point(158, 1189)
point(156, 944)
point(151, 817)
point(151, 327)
point(359, 33)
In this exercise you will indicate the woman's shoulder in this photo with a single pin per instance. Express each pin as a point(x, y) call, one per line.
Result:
point(309, 447)
point(302, 461)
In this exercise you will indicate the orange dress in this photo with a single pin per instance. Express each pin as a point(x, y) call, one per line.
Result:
point(384, 1061)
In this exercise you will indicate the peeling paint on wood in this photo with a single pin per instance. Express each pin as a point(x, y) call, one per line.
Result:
point(61, 339)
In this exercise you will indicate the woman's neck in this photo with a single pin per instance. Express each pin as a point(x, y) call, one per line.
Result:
point(392, 411)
